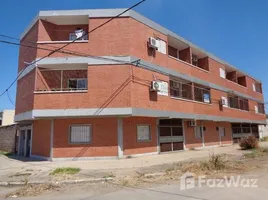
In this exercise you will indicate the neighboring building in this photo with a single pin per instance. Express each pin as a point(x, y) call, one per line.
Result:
point(176, 96)
point(7, 117)
point(263, 130)
point(8, 131)
point(8, 135)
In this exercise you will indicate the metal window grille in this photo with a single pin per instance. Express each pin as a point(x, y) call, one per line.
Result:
point(143, 133)
point(80, 134)
point(261, 108)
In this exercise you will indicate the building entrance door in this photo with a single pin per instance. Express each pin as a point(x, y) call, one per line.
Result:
point(170, 135)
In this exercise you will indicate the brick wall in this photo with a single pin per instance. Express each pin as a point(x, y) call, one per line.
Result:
point(25, 93)
point(108, 86)
point(104, 138)
point(41, 138)
point(8, 135)
point(131, 144)
point(211, 134)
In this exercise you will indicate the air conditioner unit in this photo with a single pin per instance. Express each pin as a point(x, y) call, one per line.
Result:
point(223, 101)
point(154, 86)
point(192, 123)
point(153, 43)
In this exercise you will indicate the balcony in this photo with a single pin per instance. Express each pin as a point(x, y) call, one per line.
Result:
point(238, 102)
point(183, 89)
point(235, 76)
point(63, 29)
point(61, 80)
point(181, 51)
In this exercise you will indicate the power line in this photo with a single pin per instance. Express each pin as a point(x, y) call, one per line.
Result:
point(11, 101)
point(56, 50)
point(65, 52)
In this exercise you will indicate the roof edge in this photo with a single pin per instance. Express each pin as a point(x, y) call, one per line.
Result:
point(134, 15)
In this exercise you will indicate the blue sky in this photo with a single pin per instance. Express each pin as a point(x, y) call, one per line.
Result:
point(235, 31)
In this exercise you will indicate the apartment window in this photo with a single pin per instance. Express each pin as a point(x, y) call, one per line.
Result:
point(80, 134)
point(222, 73)
point(74, 36)
point(194, 60)
point(201, 94)
point(222, 132)
point(198, 132)
point(143, 133)
point(181, 89)
point(257, 87)
point(261, 108)
point(77, 83)
point(238, 103)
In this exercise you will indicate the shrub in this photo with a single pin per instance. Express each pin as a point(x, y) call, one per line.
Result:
point(215, 162)
point(249, 142)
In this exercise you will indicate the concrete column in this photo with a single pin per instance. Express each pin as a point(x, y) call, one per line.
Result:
point(51, 138)
point(31, 145)
point(203, 135)
point(19, 143)
point(25, 142)
point(184, 137)
point(120, 137)
point(157, 135)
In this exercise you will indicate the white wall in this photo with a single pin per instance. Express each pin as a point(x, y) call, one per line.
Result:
point(263, 130)
point(8, 117)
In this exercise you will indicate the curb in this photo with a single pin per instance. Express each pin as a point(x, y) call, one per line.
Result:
point(21, 183)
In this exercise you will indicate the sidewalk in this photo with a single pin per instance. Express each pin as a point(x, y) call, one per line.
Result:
point(15, 170)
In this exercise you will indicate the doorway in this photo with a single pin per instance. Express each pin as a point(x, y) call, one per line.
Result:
point(171, 135)
point(25, 137)
point(221, 134)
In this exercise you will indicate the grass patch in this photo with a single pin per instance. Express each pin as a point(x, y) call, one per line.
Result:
point(65, 170)
point(110, 175)
point(265, 139)
point(32, 190)
point(4, 153)
point(257, 153)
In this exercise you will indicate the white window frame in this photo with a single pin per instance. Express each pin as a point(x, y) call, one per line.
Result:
point(222, 73)
point(80, 142)
point(195, 132)
point(78, 79)
point(256, 109)
point(72, 36)
point(254, 87)
point(162, 46)
point(150, 134)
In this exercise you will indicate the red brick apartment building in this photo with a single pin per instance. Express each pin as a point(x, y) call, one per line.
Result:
point(130, 88)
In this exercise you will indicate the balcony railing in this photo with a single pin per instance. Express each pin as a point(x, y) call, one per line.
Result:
point(190, 91)
point(238, 103)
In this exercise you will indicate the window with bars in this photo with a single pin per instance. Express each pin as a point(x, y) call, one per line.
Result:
point(77, 83)
point(80, 134)
point(201, 94)
point(198, 132)
point(143, 133)
point(261, 108)
point(238, 103)
point(181, 89)
point(190, 91)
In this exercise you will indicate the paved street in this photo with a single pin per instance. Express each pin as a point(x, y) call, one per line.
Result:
point(172, 190)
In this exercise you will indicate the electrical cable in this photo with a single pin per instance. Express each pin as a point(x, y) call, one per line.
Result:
point(56, 50)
